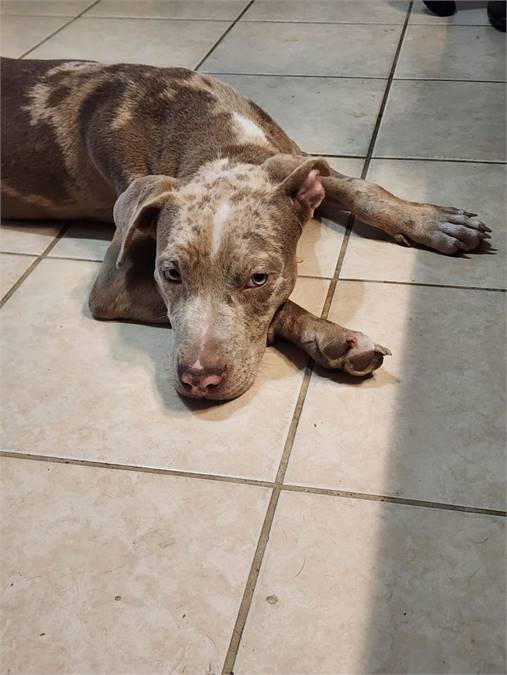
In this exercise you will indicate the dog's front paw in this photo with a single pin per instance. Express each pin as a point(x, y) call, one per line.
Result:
point(350, 350)
point(444, 229)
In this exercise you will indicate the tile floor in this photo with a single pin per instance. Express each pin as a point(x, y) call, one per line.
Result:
point(317, 524)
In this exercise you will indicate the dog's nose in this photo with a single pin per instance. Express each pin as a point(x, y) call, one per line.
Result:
point(199, 382)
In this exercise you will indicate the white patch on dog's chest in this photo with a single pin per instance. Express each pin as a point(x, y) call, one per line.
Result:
point(220, 218)
point(247, 131)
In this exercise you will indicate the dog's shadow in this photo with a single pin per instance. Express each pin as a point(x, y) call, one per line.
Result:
point(156, 342)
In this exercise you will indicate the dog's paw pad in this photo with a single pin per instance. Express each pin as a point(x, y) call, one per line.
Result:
point(360, 363)
point(363, 356)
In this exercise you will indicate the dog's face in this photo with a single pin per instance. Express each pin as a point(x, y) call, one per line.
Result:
point(226, 245)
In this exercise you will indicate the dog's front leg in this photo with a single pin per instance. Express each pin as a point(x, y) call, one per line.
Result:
point(128, 293)
point(329, 344)
point(443, 228)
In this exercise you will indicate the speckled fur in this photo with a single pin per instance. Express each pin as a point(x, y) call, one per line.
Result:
point(200, 175)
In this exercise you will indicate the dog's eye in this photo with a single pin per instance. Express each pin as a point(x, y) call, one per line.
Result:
point(257, 279)
point(172, 274)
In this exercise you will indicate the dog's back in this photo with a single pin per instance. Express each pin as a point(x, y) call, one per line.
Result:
point(33, 167)
point(87, 129)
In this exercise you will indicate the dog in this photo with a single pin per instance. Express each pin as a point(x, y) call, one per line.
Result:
point(209, 197)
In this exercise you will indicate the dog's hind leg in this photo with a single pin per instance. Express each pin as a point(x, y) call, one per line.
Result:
point(443, 228)
point(129, 292)
point(329, 344)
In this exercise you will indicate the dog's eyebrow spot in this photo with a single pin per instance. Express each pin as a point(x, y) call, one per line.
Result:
point(247, 130)
point(219, 220)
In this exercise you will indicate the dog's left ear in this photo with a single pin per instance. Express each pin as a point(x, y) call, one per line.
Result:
point(138, 207)
point(299, 179)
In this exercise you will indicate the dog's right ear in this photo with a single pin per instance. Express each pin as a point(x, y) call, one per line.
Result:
point(138, 207)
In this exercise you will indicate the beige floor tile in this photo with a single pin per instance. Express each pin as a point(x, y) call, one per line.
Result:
point(430, 424)
point(452, 53)
point(151, 41)
point(323, 115)
point(321, 241)
point(11, 268)
point(351, 586)
point(225, 10)
point(468, 14)
point(21, 33)
point(29, 238)
point(44, 7)
point(306, 49)
point(120, 572)
point(101, 390)
point(88, 241)
point(421, 121)
point(350, 166)
point(476, 187)
point(344, 11)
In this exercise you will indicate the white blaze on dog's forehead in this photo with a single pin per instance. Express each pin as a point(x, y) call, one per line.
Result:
point(247, 130)
point(219, 220)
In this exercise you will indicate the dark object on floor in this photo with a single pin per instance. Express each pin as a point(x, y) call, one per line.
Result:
point(441, 8)
point(496, 11)
point(496, 15)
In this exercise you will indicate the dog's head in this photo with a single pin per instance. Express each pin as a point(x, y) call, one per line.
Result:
point(226, 260)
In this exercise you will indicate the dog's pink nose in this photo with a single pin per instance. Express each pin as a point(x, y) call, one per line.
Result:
point(199, 382)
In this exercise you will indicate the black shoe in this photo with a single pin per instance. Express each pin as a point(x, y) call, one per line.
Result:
point(444, 8)
point(496, 15)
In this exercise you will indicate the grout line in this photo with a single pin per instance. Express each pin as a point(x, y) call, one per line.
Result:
point(267, 524)
point(51, 257)
point(322, 154)
point(446, 79)
point(201, 20)
point(313, 276)
point(245, 21)
point(498, 162)
point(351, 77)
point(246, 600)
point(424, 284)
point(306, 489)
point(30, 269)
point(199, 64)
point(383, 104)
point(20, 253)
point(260, 550)
point(99, 17)
point(53, 459)
point(65, 257)
point(401, 501)
point(295, 75)
point(72, 19)
point(411, 159)
point(327, 23)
